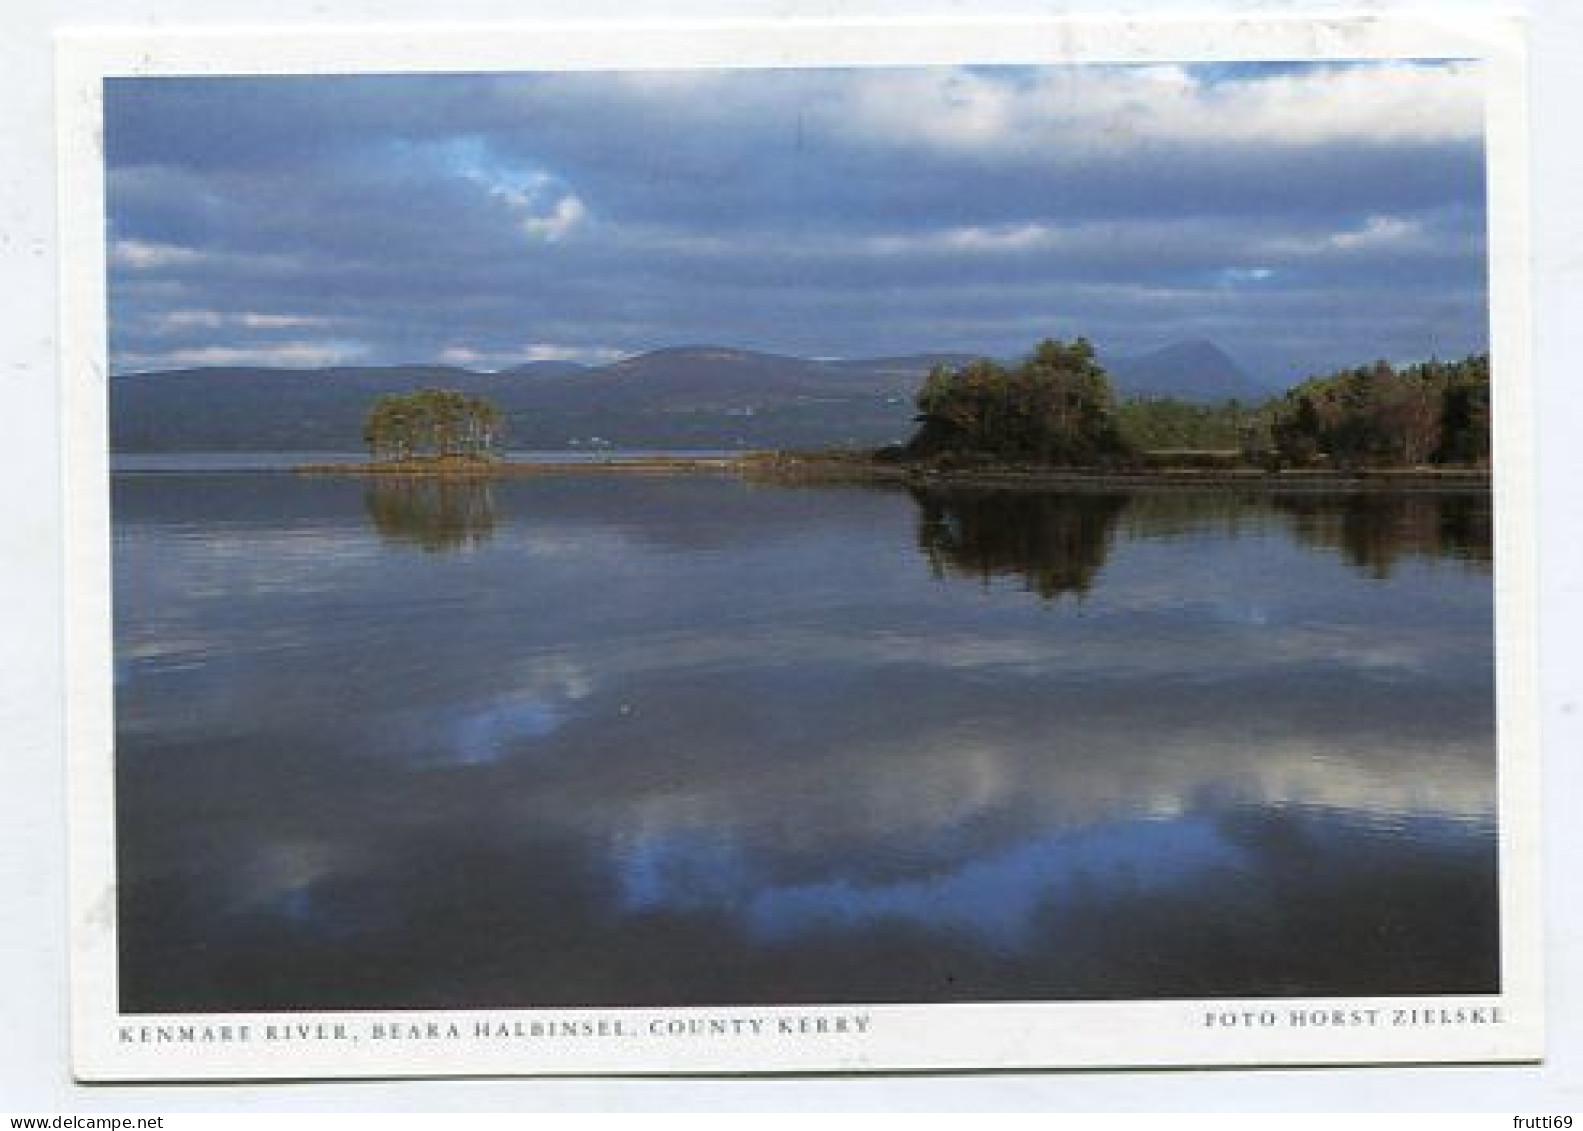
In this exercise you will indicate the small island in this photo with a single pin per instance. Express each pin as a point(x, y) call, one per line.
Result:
point(1049, 420)
point(446, 433)
point(431, 430)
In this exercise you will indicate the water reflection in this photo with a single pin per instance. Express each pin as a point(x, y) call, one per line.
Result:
point(1375, 531)
point(437, 514)
point(1055, 543)
point(692, 742)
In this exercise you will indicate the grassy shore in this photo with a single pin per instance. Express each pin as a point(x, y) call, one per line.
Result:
point(815, 468)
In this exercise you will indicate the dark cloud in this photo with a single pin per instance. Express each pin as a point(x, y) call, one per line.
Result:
point(394, 218)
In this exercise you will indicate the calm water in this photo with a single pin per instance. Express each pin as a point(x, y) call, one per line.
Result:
point(192, 462)
point(613, 740)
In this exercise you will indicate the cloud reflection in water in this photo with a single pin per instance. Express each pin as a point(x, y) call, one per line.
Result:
point(732, 744)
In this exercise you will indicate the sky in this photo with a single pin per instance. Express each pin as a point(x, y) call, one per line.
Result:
point(1303, 217)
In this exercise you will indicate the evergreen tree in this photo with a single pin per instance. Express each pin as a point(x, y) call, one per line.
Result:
point(1055, 407)
point(431, 423)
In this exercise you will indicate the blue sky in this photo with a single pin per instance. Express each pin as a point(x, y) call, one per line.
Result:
point(1302, 216)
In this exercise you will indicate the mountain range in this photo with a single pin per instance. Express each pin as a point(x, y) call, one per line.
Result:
point(680, 397)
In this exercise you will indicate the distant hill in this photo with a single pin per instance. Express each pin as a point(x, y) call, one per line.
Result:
point(1190, 371)
point(547, 368)
point(682, 397)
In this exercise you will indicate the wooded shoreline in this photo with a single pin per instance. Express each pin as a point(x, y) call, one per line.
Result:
point(813, 469)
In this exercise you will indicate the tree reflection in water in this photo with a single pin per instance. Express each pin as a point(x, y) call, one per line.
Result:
point(1375, 531)
point(438, 514)
point(1056, 542)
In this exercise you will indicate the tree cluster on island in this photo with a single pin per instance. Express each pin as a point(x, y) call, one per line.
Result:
point(432, 424)
point(1057, 408)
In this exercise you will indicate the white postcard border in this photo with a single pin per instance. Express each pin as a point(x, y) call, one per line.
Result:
point(838, 1037)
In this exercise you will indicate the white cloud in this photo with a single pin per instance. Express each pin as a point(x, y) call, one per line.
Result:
point(144, 255)
point(287, 355)
point(1187, 242)
point(1092, 109)
point(461, 355)
point(1045, 112)
point(545, 208)
point(280, 321)
point(568, 213)
point(987, 239)
point(1378, 231)
point(1395, 234)
point(177, 321)
point(536, 351)
point(1239, 276)
point(543, 351)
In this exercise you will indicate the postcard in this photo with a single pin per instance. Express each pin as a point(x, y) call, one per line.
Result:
point(798, 548)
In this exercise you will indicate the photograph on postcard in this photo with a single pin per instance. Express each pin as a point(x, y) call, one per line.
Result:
point(675, 543)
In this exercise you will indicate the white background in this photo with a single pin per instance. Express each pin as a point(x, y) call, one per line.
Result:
point(33, 1038)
